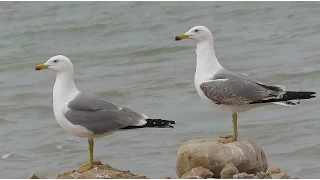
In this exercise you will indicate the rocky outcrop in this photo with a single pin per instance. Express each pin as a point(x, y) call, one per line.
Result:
point(231, 172)
point(228, 171)
point(198, 173)
point(198, 149)
point(99, 171)
point(245, 155)
point(104, 171)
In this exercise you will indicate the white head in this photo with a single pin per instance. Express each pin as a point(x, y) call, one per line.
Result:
point(197, 33)
point(57, 63)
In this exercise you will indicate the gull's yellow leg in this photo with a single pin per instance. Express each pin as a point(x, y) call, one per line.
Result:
point(234, 137)
point(89, 164)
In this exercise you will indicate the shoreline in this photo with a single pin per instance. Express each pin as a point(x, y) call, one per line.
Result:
point(105, 171)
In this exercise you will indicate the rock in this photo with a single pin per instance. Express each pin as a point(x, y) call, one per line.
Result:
point(165, 177)
point(200, 172)
point(100, 171)
point(193, 177)
point(274, 170)
point(281, 175)
point(33, 176)
point(243, 176)
point(209, 153)
point(261, 175)
point(228, 171)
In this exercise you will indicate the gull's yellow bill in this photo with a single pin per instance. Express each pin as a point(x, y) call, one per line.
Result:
point(40, 67)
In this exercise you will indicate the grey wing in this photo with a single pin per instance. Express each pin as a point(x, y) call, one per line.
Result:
point(100, 116)
point(237, 91)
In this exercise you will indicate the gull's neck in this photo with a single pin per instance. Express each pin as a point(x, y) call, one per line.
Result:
point(207, 62)
point(64, 88)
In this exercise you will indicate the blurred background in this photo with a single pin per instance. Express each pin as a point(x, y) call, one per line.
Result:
point(125, 52)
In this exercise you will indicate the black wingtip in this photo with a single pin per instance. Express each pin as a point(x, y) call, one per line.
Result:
point(160, 123)
point(154, 123)
point(289, 95)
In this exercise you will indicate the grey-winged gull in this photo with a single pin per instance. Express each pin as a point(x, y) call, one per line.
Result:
point(226, 89)
point(89, 116)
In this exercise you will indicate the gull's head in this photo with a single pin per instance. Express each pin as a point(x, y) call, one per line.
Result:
point(197, 33)
point(57, 63)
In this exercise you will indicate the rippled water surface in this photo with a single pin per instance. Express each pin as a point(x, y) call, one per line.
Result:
point(125, 52)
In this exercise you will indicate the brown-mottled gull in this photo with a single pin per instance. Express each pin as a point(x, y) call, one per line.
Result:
point(230, 90)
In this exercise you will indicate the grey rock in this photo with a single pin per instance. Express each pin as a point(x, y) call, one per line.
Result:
point(210, 154)
point(243, 176)
point(281, 175)
point(261, 175)
point(228, 171)
point(193, 177)
point(201, 172)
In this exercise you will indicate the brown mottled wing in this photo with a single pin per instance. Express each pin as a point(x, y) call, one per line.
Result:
point(236, 91)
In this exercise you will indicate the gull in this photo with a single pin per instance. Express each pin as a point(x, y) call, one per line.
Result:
point(89, 116)
point(229, 90)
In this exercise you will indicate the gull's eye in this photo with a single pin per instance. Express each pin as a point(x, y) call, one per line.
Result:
point(196, 30)
point(55, 61)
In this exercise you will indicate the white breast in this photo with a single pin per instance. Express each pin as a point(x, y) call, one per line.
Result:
point(60, 106)
point(76, 130)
